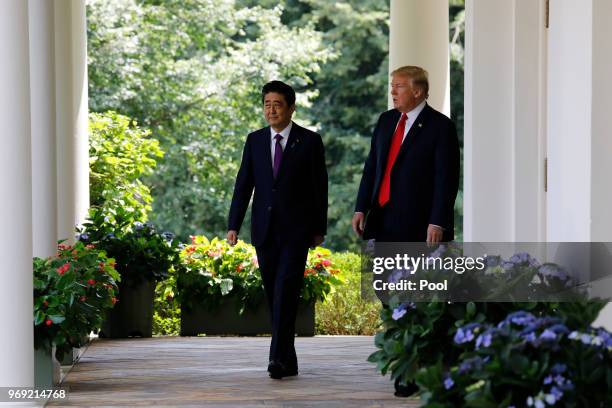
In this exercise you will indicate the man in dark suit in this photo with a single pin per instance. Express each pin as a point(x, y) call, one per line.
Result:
point(411, 176)
point(285, 164)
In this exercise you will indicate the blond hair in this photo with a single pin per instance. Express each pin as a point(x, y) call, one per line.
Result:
point(417, 75)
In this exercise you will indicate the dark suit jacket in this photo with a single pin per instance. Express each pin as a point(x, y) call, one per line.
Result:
point(424, 179)
point(296, 200)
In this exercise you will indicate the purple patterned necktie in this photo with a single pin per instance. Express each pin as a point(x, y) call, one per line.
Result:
point(278, 154)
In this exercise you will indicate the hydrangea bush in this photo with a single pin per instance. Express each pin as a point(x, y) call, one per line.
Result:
point(523, 360)
point(423, 340)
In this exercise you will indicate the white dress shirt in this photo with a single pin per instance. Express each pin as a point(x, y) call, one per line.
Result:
point(412, 115)
point(284, 133)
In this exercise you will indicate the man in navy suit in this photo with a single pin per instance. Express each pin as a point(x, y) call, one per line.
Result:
point(411, 176)
point(285, 164)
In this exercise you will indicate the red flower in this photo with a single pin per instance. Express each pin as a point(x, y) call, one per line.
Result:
point(62, 269)
point(114, 300)
point(63, 247)
point(310, 271)
point(90, 246)
point(91, 282)
point(326, 262)
point(239, 268)
point(48, 322)
point(83, 298)
point(45, 303)
point(191, 249)
point(193, 239)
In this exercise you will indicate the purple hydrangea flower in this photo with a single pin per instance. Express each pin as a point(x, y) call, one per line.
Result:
point(521, 318)
point(448, 383)
point(558, 368)
point(492, 261)
point(465, 334)
point(399, 312)
point(484, 340)
point(552, 270)
point(548, 335)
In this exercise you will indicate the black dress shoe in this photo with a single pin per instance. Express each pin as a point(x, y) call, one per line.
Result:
point(404, 391)
point(278, 370)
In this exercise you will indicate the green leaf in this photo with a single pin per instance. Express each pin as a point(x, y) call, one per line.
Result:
point(39, 317)
point(226, 286)
point(57, 319)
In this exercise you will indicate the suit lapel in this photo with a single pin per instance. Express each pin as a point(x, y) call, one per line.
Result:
point(292, 143)
point(266, 152)
point(414, 132)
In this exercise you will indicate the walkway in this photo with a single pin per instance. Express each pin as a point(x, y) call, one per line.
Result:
point(227, 372)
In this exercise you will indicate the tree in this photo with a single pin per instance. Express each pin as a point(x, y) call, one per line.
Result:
point(191, 71)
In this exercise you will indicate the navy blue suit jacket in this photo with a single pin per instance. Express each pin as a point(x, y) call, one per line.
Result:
point(424, 178)
point(296, 200)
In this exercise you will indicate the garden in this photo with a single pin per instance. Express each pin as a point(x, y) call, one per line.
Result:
point(173, 92)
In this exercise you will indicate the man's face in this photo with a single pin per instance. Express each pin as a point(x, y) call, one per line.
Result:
point(276, 111)
point(405, 96)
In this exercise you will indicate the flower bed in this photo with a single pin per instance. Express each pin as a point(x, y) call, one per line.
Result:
point(215, 275)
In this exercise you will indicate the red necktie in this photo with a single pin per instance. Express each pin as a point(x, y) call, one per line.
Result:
point(385, 188)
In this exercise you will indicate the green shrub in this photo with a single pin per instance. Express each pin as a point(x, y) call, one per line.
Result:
point(120, 154)
point(142, 253)
point(345, 312)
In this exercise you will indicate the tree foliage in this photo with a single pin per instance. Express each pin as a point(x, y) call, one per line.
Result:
point(120, 154)
point(191, 71)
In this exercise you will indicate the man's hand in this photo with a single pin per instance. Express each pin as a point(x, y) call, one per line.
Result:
point(317, 240)
point(434, 234)
point(232, 237)
point(358, 223)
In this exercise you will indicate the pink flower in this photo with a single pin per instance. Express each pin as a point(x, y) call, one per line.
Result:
point(48, 322)
point(326, 262)
point(91, 282)
point(64, 268)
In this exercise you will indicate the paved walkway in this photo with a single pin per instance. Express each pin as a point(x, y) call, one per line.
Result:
point(227, 372)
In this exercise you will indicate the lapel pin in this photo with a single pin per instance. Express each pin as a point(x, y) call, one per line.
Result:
point(420, 124)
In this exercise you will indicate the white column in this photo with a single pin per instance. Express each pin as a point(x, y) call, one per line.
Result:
point(71, 125)
point(419, 35)
point(42, 80)
point(16, 336)
point(579, 141)
point(504, 140)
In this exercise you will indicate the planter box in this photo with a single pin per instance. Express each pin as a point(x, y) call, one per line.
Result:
point(132, 316)
point(225, 320)
point(46, 369)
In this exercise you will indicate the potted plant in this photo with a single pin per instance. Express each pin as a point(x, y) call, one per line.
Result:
point(221, 292)
point(72, 292)
point(143, 257)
